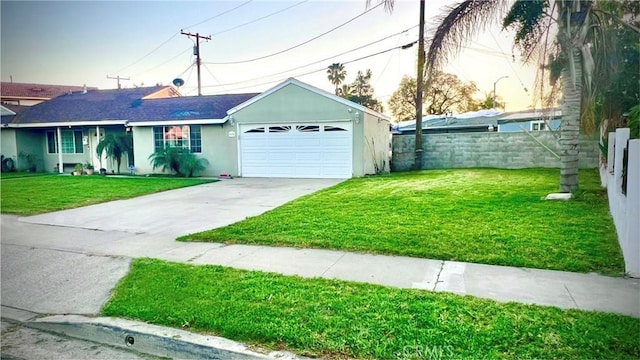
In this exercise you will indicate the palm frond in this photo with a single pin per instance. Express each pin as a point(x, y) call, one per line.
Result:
point(388, 5)
point(457, 25)
point(531, 21)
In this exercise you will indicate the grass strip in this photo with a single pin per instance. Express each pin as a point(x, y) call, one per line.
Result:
point(41, 194)
point(488, 216)
point(337, 319)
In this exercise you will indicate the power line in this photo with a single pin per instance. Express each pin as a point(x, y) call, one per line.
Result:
point(301, 44)
point(322, 60)
point(149, 53)
point(313, 71)
point(218, 15)
point(510, 65)
point(260, 18)
point(157, 66)
point(213, 76)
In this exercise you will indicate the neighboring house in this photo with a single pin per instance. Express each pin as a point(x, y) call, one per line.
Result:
point(32, 94)
point(530, 120)
point(484, 121)
point(291, 130)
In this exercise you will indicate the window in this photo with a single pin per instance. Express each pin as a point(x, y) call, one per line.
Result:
point(71, 142)
point(308, 128)
point(333, 128)
point(279, 129)
point(255, 130)
point(538, 126)
point(186, 136)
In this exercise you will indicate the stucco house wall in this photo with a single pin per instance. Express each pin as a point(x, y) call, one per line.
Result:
point(376, 145)
point(296, 103)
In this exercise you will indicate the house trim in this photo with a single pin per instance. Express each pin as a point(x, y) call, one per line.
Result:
point(179, 122)
point(69, 124)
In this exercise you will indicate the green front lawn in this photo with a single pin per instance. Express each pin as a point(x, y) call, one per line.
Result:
point(41, 194)
point(485, 216)
point(338, 319)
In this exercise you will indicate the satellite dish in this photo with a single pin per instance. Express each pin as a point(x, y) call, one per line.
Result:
point(178, 82)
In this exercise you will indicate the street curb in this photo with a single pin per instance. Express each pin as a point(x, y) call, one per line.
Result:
point(149, 339)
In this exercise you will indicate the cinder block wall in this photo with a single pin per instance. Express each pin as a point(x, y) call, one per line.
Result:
point(507, 150)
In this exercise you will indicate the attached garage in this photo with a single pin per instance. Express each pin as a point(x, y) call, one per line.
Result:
point(298, 131)
point(306, 150)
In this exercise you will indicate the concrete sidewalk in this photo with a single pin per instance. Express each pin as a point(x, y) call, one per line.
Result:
point(532, 286)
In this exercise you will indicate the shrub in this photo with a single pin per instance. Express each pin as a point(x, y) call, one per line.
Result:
point(178, 160)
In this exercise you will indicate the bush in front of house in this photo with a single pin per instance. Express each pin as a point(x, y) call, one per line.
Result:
point(178, 160)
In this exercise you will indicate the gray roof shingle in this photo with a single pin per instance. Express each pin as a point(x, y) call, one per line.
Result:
point(128, 105)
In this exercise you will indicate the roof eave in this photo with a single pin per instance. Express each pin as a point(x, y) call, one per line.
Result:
point(179, 122)
point(68, 124)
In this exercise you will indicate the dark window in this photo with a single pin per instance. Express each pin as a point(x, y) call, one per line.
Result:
point(255, 130)
point(308, 128)
point(279, 129)
point(195, 138)
point(333, 128)
point(52, 144)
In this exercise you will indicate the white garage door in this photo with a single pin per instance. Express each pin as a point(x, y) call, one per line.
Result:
point(308, 150)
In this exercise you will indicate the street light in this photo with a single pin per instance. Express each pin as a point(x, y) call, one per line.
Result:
point(493, 104)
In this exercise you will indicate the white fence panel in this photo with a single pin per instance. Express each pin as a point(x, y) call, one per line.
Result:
point(624, 208)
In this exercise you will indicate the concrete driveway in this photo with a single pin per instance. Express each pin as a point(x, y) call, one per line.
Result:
point(186, 210)
point(68, 261)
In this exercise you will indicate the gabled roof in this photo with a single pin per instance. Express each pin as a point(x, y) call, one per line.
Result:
point(9, 111)
point(36, 91)
point(292, 81)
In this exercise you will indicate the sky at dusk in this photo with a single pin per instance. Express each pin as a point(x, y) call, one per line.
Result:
point(81, 42)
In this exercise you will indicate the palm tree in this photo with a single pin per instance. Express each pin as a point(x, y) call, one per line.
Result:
point(345, 91)
point(336, 75)
point(533, 19)
point(114, 147)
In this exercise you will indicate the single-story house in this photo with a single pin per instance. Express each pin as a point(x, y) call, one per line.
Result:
point(291, 130)
point(484, 121)
point(530, 120)
point(31, 94)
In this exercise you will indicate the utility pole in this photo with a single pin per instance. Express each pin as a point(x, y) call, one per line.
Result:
point(196, 51)
point(417, 163)
point(117, 78)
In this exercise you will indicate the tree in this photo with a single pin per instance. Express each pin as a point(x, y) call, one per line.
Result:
point(361, 91)
point(402, 102)
point(449, 95)
point(578, 23)
point(114, 147)
point(487, 102)
point(336, 75)
point(344, 91)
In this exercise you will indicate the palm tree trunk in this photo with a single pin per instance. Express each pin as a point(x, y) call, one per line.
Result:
point(570, 126)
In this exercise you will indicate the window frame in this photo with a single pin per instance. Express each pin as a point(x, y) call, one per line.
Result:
point(76, 143)
point(191, 140)
point(541, 124)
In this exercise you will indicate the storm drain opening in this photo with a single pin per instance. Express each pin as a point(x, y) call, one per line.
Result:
point(129, 340)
